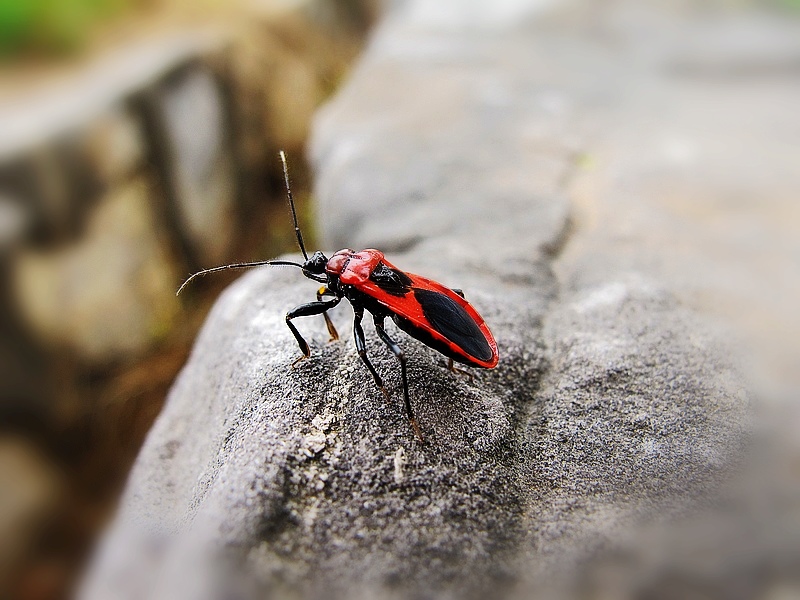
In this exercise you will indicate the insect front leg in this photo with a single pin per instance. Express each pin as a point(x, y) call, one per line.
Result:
point(324, 291)
point(361, 347)
point(307, 310)
point(378, 320)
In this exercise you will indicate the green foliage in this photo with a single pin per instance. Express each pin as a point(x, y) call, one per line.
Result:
point(51, 26)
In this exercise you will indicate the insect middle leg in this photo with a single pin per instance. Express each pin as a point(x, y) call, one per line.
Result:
point(361, 346)
point(307, 310)
point(324, 291)
point(378, 320)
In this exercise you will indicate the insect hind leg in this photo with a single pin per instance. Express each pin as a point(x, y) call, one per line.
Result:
point(451, 365)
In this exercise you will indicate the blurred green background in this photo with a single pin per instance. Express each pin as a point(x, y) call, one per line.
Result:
point(53, 26)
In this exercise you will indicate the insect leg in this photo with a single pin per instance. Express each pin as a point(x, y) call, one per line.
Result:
point(452, 366)
point(378, 320)
point(324, 291)
point(361, 346)
point(306, 310)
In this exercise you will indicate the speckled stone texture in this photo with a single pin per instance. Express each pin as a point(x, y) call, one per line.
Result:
point(531, 156)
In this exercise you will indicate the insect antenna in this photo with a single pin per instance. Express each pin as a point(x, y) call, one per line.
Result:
point(279, 263)
point(291, 205)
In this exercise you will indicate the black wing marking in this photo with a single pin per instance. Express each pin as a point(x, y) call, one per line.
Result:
point(391, 281)
point(449, 318)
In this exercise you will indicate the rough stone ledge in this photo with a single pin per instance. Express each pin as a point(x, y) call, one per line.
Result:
point(615, 403)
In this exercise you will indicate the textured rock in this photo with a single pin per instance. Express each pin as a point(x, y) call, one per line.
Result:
point(461, 146)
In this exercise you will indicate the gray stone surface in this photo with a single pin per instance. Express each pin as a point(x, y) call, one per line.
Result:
point(563, 170)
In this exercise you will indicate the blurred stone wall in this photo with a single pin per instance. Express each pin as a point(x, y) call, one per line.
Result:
point(144, 165)
point(118, 177)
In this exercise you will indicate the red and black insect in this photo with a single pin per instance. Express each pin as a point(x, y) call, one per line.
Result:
point(436, 315)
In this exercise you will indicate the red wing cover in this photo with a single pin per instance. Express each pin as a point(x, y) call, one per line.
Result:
point(431, 310)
